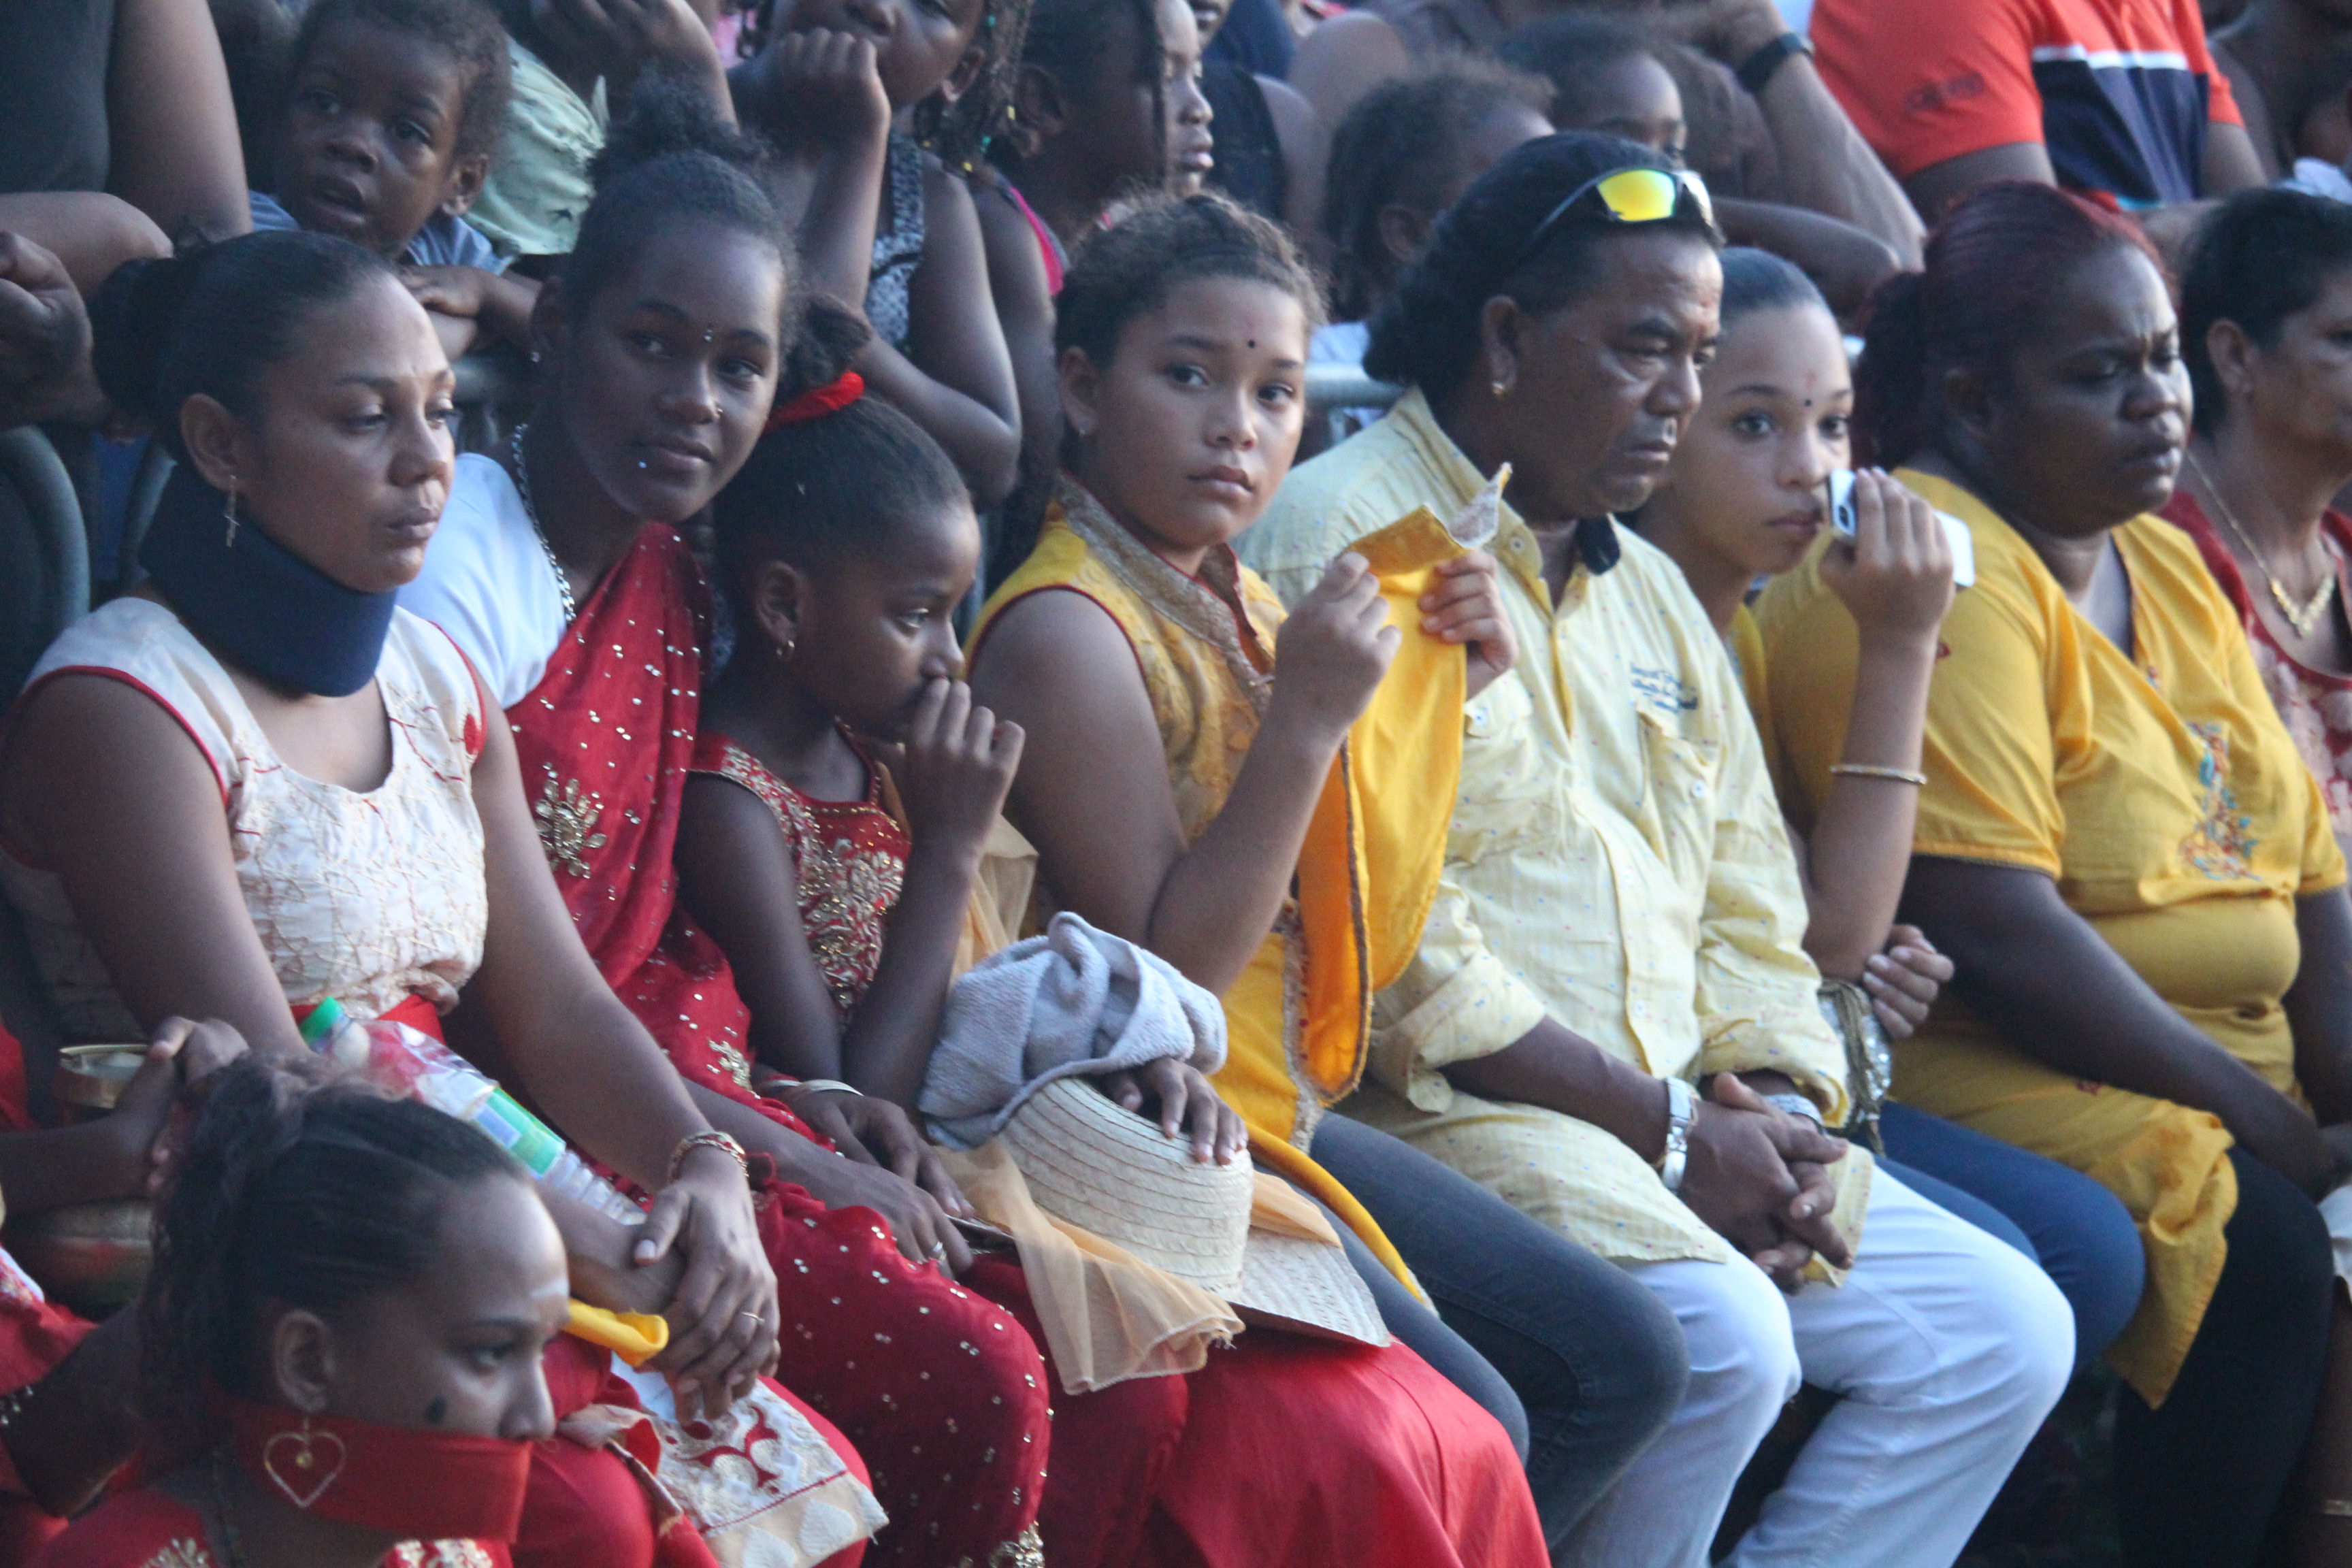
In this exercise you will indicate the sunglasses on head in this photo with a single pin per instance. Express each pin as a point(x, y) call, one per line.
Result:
point(1628, 195)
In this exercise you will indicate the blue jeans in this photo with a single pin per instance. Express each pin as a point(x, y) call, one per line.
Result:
point(2078, 1231)
point(1581, 1362)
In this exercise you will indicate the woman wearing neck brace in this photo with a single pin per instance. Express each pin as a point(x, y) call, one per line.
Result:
point(255, 785)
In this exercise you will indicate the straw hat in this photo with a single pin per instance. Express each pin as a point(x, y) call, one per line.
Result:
point(1107, 1171)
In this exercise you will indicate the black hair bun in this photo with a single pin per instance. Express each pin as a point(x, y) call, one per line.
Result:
point(830, 338)
point(132, 318)
point(667, 117)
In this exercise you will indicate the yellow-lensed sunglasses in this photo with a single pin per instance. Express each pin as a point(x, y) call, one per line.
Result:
point(1630, 196)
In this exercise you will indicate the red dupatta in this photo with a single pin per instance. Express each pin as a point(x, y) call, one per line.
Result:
point(605, 740)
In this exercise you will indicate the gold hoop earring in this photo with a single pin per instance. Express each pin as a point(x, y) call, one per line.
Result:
point(228, 540)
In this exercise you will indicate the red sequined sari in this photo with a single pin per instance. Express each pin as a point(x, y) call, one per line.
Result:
point(942, 1394)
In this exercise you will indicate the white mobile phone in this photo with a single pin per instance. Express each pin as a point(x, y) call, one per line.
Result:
point(1956, 532)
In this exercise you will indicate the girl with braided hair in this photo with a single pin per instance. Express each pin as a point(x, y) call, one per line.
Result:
point(341, 1342)
point(1107, 106)
point(877, 109)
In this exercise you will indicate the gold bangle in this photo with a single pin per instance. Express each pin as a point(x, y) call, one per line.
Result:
point(709, 1138)
point(1871, 771)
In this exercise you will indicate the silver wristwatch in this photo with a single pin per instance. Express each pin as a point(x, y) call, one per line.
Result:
point(1678, 1126)
point(1795, 1105)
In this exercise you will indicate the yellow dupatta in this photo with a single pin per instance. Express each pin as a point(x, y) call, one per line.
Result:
point(1297, 1020)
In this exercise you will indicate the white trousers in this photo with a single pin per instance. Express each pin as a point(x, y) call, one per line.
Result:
point(1947, 1347)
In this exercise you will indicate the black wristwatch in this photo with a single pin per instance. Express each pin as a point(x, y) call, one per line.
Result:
point(1757, 69)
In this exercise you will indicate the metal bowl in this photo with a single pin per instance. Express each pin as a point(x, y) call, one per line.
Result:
point(90, 1078)
point(91, 1257)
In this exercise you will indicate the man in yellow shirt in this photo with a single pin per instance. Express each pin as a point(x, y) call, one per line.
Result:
point(1619, 919)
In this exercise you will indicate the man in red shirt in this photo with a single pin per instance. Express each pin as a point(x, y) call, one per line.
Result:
point(2116, 98)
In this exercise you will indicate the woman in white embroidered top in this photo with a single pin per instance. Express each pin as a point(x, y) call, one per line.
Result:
point(255, 785)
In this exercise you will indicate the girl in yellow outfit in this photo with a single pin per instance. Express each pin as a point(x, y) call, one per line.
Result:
point(2118, 842)
point(1181, 794)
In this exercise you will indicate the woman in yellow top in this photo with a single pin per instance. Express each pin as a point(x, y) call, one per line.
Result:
point(1174, 784)
point(1747, 497)
point(2116, 843)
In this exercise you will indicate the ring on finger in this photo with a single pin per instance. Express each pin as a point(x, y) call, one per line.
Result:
point(939, 1251)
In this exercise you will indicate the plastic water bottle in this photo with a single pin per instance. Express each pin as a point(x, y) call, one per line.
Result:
point(418, 1067)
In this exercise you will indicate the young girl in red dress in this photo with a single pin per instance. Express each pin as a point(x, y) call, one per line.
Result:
point(340, 1344)
point(844, 544)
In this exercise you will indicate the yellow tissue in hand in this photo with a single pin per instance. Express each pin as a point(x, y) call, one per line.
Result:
point(635, 1337)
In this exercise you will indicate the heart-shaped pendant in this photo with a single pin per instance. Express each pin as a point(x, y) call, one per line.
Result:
point(312, 1460)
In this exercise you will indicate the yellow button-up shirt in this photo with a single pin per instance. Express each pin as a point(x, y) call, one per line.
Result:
point(1616, 860)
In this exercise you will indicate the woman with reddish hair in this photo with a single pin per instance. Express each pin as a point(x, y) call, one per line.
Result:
point(2116, 842)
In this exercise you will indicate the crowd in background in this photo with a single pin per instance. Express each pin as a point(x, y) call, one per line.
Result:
point(1252, 784)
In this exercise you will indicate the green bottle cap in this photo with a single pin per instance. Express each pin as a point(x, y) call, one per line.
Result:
point(323, 1020)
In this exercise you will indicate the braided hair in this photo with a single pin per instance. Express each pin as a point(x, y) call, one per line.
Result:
point(1070, 40)
point(294, 1187)
point(960, 133)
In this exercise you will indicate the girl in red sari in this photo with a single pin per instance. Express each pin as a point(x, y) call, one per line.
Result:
point(562, 575)
point(845, 543)
point(340, 1344)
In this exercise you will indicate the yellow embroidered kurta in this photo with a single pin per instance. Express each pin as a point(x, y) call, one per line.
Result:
point(2166, 799)
point(1616, 859)
point(1296, 1018)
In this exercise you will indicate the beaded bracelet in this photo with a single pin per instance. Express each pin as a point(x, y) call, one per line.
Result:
point(709, 1138)
point(1871, 771)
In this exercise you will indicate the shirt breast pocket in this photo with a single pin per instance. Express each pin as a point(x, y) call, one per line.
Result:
point(1509, 785)
point(1684, 774)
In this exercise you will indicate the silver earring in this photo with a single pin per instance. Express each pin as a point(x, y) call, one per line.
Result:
point(785, 649)
point(1500, 388)
point(229, 511)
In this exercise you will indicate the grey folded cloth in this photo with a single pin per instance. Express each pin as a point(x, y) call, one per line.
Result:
point(1075, 1000)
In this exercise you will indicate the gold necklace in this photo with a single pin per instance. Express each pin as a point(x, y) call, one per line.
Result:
point(2301, 617)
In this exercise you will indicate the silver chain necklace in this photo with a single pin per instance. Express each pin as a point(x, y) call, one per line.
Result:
point(538, 530)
